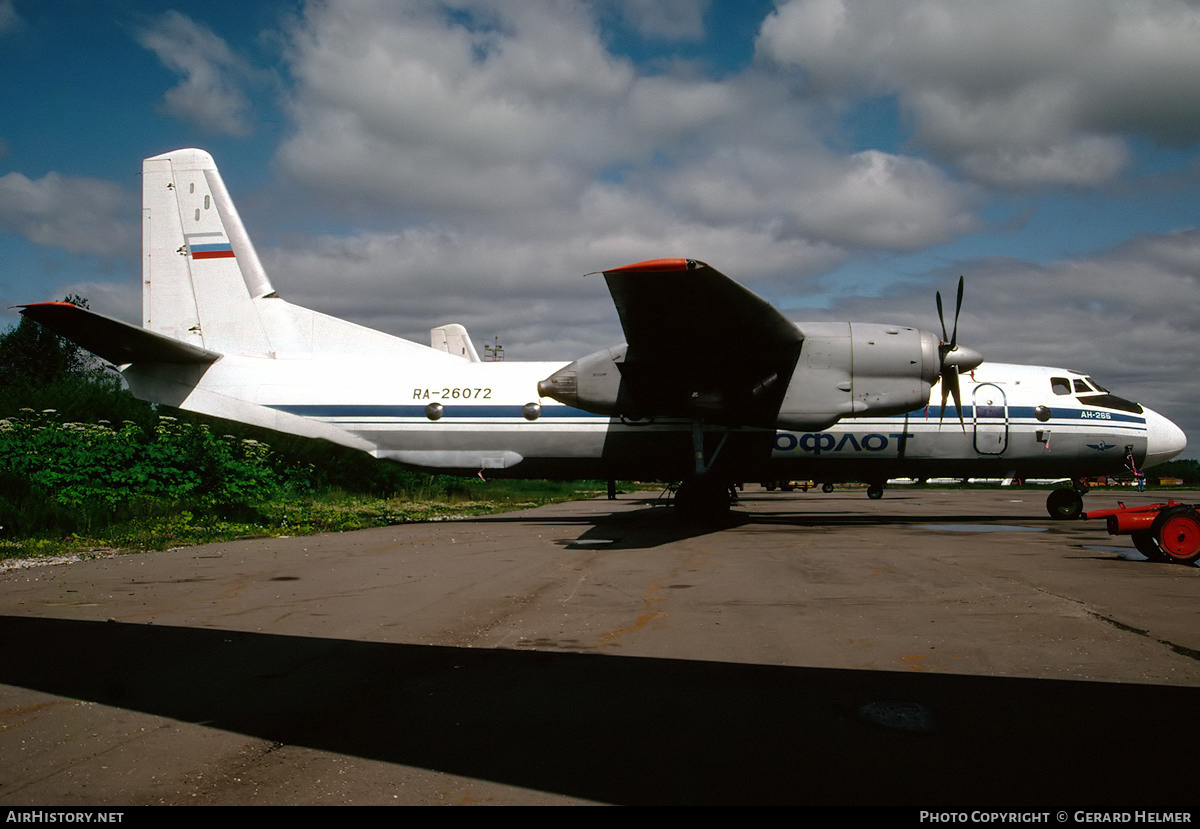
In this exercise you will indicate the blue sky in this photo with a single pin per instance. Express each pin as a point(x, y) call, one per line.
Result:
point(405, 164)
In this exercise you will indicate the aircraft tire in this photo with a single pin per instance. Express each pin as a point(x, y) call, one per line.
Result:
point(827, 488)
point(1177, 531)
point(875, 492)
point(1147, 545)
point(1064, 504)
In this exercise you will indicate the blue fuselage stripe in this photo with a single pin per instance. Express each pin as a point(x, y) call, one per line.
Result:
point(346, 410)
point(1015, 414)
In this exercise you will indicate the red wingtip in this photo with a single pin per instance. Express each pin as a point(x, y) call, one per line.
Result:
point(52, 302)
point(659, 265)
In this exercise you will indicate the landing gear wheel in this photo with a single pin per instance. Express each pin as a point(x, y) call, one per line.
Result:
point(703, 501)
point(875, 491)
point(1064, 504)
point(1148, 546)
point(827, 488)
point(1177, 531)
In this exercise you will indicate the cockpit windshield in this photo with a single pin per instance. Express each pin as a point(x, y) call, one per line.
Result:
point(1104, 400)
point(1091, 393)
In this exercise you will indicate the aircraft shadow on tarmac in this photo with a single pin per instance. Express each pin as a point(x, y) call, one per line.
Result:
point(656, 524)
point(638, 730)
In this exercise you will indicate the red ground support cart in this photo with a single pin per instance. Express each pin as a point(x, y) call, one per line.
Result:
point(1161, 532)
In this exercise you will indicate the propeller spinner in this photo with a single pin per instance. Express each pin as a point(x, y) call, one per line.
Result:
point(954, 358)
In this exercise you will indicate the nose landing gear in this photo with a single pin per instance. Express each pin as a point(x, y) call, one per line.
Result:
point(1066, 504)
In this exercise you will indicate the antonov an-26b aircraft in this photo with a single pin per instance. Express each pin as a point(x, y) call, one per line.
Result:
point(713, 385)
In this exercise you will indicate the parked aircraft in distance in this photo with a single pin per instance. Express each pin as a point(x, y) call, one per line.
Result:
point(713, 385)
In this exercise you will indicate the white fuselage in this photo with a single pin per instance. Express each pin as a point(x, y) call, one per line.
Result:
point(462, 417)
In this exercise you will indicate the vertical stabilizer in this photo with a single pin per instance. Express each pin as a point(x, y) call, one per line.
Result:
point(453, 339)
point(200, 273)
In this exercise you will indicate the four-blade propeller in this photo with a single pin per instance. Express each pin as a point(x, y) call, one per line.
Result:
point(955, 359)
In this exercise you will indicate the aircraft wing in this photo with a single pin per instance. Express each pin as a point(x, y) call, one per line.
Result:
point(112, 340)
point(698, 342)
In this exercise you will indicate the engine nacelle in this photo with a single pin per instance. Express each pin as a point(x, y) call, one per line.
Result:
point(856, 369)
point(842, 370)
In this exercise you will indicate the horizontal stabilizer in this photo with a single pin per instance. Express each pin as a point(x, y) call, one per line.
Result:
point(117, 342)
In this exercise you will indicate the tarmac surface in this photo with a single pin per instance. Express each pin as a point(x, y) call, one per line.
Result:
point(936, 648)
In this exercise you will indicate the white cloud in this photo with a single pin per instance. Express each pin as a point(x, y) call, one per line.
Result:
point(410, 105)
point(505, 116)
point(1017, 93)
point(210, 94)
point(81, 215)
point(868, 200)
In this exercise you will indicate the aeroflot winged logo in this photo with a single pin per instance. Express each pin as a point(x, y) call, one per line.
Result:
point(208, 246)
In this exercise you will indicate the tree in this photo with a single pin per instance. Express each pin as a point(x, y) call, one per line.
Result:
point(1186, 469)
point(32, 356)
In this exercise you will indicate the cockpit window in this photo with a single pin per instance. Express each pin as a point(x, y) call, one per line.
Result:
point(1097, 386)
point(1082, 387)
point(1060, 385)
point(1110, 401)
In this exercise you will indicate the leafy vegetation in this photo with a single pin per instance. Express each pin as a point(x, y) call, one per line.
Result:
point(84, 464)
point(68, 485)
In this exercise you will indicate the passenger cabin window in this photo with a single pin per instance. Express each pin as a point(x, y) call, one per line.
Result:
point(1060, 385)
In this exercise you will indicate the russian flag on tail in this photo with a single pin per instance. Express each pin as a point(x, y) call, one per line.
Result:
point(208, 246)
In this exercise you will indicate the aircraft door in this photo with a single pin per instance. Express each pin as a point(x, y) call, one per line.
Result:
point(991, 419)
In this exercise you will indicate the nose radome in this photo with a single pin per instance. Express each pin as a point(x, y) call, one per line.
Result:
point(1164, 440)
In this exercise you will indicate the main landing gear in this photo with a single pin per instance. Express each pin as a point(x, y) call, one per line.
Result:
point(705, 497)
point(703, 500)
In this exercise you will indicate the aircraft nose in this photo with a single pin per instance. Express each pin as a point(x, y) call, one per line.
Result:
point(1164, 440)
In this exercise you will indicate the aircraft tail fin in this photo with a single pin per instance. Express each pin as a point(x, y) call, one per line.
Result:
point(200, 272)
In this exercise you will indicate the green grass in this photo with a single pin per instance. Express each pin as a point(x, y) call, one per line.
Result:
point(332, 511)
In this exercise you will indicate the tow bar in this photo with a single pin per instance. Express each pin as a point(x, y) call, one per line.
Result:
point(1161, 532)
